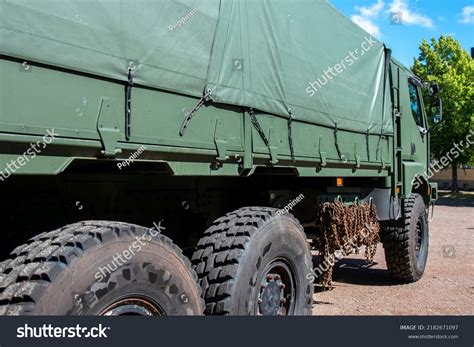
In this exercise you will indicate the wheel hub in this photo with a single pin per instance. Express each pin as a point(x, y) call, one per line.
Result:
point(133, 307)
point(277, 290)
point(272, 296)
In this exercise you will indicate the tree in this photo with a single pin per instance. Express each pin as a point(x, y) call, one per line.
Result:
point(444, 61)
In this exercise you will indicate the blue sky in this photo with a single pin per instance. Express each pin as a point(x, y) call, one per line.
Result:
point(402, 24)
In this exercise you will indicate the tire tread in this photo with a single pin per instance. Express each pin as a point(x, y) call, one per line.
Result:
point(397, 245)
point(35, 265)
point(221, 249)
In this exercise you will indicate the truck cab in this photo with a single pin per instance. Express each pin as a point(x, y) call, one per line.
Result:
point(413, 126)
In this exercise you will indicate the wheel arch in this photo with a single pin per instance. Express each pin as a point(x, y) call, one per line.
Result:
point(416, 181)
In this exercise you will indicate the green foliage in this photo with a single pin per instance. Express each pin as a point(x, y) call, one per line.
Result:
point(446, 62)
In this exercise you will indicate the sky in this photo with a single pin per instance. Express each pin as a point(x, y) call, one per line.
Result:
point(403, 24)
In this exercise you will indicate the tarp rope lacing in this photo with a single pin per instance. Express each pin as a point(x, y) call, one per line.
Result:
point(128, 105)
point(257, 126)
point(189, 115)
point(290, 137)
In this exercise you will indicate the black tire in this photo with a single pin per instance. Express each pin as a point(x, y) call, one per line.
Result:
point(72, 271)
point(255, 253)
point(406, 247)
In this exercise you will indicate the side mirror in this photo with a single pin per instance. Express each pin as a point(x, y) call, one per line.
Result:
point(436, 107)
point(437, 119)
point(435, 102)
point(434, 89)
point(436, 112)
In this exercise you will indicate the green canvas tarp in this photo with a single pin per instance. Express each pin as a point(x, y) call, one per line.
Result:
point(272, 55)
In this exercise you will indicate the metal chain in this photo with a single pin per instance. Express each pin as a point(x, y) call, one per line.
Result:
point(346, 228)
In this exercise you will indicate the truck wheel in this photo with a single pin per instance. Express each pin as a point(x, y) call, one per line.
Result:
point(406, 248)
point(254, 261)
point(99, 268)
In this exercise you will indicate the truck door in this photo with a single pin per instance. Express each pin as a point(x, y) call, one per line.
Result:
point(414, 125)
point(411, 130)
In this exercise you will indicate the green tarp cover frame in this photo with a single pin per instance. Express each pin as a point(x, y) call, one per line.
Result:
point(269, 55)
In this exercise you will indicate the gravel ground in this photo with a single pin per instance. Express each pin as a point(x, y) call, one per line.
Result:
point(447, 287)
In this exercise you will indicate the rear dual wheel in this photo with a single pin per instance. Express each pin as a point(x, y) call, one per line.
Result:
point(255, 261)
point(250, 262)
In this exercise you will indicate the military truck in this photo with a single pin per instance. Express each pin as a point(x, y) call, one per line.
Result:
point(168, 157)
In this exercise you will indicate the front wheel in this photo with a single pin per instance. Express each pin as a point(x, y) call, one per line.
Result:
point(254, 261)
point(406, 247)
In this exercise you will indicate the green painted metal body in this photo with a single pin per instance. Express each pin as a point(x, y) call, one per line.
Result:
point(86, 106)
point(79, 106)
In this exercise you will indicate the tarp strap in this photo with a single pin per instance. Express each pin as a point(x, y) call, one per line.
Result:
point(189, 115)
point(367, 136)
point(388, 58)
point(337, 144)
point(386, 75)
point(257, 126)
point(128, 105)
point(377, 152)
point(290, 137)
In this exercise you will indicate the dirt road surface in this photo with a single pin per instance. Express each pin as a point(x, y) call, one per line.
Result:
point(447, 287)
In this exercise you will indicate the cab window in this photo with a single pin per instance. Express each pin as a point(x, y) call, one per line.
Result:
point(415, 104)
